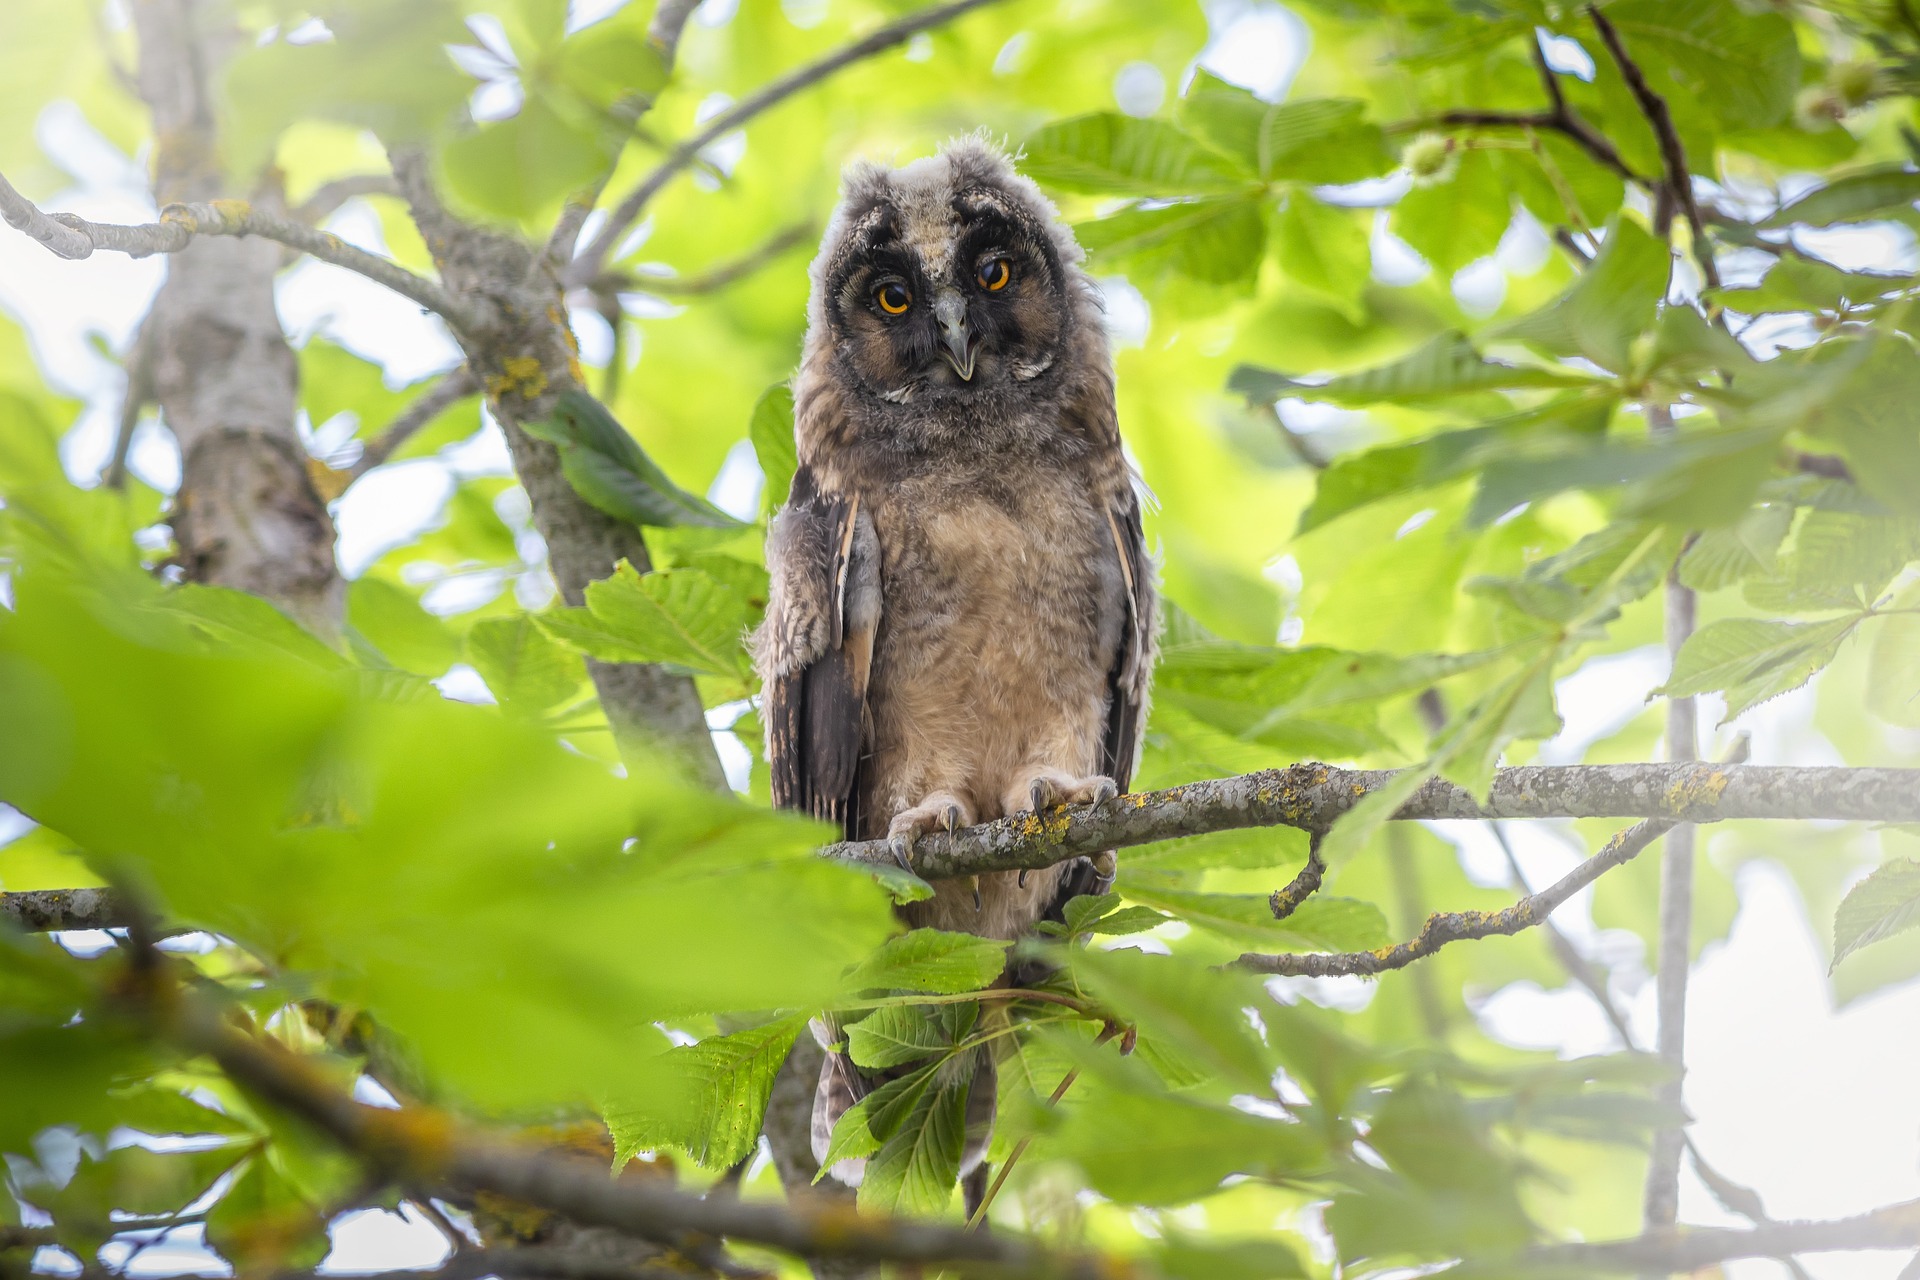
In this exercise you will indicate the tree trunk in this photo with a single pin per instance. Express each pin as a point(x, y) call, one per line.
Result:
point(247, 514)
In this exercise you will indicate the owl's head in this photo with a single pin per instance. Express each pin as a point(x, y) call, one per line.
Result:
point(949, 282)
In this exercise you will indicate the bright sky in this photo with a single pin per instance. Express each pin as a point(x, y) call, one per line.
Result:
point(1814, 1108)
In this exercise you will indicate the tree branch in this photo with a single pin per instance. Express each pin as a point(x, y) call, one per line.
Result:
point(328, 197)
point(68, 236)
point(1456, 926)
point(417, 1145)
point(593, 258)
point(1678, 181)
point(716, 278)
point(443, 395)
point(1689, 1250)
point(50, 910)
point(1312, 796)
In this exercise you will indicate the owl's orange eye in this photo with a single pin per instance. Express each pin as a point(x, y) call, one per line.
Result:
point(994, 274)
point(893, 297)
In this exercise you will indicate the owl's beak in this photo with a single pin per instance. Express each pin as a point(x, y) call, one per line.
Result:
point(950, 309)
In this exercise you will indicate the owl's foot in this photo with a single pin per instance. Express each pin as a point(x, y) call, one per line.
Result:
point(940, 810)
point(1046, 788)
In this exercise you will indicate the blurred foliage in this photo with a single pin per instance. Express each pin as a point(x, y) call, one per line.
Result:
point(1387, 375)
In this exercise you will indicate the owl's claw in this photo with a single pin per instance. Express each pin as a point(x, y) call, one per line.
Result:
point(976, 893)
point(1047, 787)
point(1022, 882)
point(938, 811)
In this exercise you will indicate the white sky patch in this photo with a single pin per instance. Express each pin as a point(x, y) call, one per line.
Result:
point(1255, 44)
point(584, 13)
point(1564, 53)
point(1394, 260)
point(1139, 88)
point(1600, 699)
point(1127, 314)
point(1863, 246)
point(1480, 287)
point(389, 506)
point(376, 1240)
point(736, 489)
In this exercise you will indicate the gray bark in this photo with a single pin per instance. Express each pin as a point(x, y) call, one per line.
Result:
point(523, 355)
point(247, 515)
point(1312, 796)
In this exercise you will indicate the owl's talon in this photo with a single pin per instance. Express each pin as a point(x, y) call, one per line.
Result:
point(951, 818)
point(1023, 878)
point(901, 846)
point(1104, 790)
point(1040, 792)
point(975, 880)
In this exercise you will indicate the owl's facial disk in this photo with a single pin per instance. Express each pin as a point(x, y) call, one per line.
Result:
point(947, 302)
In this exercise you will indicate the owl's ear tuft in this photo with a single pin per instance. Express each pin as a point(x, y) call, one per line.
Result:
point(979, 157)
point(864, 182)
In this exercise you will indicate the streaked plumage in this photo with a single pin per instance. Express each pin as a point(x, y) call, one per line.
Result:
point(962, 611)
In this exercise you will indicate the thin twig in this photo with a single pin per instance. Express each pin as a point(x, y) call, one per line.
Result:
point(1675, 954)
point(68, 236)
point(664, 29)
point(1560, 117)
point(593, 258)
point(328, 197)
point(1455, 926)
point(979, 1215)
point(1679, 178)
point(1693, 1249)
point(443, 395)
point(137, 396)
point(1284, 902)
point(717, 278)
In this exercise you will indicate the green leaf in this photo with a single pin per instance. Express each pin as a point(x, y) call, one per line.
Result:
point(1216, 240)
point(1754, 659)
point(683, 618)
point(1356, 480)
point(1857, 197)
point(1139, 1144)
point(1893, 664)
point(1183, 1257)
point(1459, 218)
point(607, 467)
point(1796, 282)
point(894, 1035)
point(1195, 1011)
point(1109, 152)
point(527, 670)
point(852, 1137)
point(389, 617)
point(1325, 141)
point(1885, 903)
point(1612, 303)
point(771, 431)
point(263, 1223)
point(1318, 924)
point(709, 1099)
point(915, 1169)
point(932, 960)
point(1325, 248)
point(521, 167)
point(1739, 65)
point(1443, 367)
point(1721, 557)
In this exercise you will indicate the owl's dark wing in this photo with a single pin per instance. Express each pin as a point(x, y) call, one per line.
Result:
point(816, 651)
point(1127, 682)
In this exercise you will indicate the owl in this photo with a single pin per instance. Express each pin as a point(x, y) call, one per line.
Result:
point(961, 621)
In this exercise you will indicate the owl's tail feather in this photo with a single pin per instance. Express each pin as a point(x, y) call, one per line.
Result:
point(841, 1085)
